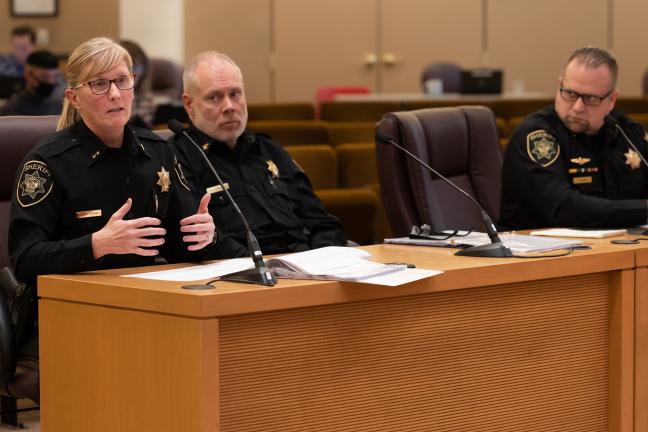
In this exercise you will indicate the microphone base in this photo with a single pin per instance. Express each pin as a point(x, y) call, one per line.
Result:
point(493, 250)
point(259, 276)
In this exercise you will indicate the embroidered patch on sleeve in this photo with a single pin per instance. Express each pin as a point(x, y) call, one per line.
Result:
point(542, 147)
point(35, 183)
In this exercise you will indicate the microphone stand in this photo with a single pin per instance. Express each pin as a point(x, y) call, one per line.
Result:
point(496, 249)
point(260, 274)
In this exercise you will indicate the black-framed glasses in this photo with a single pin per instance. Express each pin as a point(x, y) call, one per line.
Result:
point(102, 85)
point(425, 233)
point(588, 99)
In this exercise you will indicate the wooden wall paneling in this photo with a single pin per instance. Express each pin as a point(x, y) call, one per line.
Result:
point(629, 40)
point(323, 44)
point(74, 24)
point(421, 32)
point(240, 29)
point(533, 42)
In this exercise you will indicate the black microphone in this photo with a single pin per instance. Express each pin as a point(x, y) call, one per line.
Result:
point(496, 249)
point(260, 274)
point(611, 121)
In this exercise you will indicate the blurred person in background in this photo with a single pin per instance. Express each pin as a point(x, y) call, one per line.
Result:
point(143, 107)
point(42, 75)
point(23, 42)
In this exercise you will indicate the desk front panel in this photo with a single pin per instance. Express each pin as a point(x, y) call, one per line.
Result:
point(524, 356)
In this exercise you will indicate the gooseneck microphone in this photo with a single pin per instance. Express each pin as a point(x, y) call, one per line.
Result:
point(496, 249)
point(615, 123)
point(260, 274)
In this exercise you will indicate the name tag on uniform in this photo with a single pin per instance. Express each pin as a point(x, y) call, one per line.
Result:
point(582, 180)
point(88, 214)
point(217, 188)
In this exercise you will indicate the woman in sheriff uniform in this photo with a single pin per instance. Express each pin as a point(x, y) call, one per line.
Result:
point(98, 193)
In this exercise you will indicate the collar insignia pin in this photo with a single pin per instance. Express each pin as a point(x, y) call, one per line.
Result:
point(272, 167)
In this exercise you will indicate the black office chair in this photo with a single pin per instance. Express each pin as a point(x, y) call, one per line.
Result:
point(18, 135)
point(462, 144)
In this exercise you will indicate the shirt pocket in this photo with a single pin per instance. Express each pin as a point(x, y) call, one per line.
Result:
point(284, 202)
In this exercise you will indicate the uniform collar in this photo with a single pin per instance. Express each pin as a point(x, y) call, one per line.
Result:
point(96, 149)
point(207, 143)
point(603, 135)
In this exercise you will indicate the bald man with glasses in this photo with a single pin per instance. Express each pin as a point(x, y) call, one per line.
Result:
point(568, 165)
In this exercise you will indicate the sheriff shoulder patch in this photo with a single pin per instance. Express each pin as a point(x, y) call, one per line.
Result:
point(35, 183)
point(542, 147)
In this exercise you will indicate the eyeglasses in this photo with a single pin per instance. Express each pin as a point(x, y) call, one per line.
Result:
point(588, 99)
point(426, 233)
point(102, 86)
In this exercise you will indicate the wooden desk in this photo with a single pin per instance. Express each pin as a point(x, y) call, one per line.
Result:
point(491, 344)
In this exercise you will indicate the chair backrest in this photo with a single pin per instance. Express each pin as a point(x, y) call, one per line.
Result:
point(166, 78)
point(291, 132)
point(319, 162)
point(448, 73)
point(357, 165)
point(281, 111)
point(18, 135)
point(459, 142)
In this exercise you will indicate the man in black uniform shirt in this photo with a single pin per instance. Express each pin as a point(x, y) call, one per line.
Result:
point(568, 165)
point(272, 191)
point(42, 75)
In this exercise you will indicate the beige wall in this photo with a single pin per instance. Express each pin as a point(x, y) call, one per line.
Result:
point(286, 55)
point(77, 21)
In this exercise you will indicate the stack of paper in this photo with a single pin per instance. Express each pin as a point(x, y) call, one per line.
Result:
point(333, 262)
point(580, 233)
point(516, 242)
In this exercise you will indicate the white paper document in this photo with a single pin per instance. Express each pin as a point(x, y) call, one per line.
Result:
point(329, 263)
point(580, 233)
point(199, 272)
point(519, 243)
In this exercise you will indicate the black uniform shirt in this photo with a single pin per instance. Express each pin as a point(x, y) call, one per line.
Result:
point(273, 193)
point(29, 103)
point(71, 183)
point(552, 177)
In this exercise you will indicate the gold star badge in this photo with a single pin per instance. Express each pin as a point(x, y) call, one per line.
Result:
point(272, 167)
point(164, 180)
point(632, 159)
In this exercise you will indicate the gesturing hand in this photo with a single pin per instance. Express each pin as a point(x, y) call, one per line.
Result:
point(121, 236)
point(200, 226)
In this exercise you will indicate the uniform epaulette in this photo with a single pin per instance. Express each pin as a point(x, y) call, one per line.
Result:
point(56, 144)
point(141, 132)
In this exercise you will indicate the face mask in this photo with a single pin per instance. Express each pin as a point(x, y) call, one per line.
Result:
point(44, 89)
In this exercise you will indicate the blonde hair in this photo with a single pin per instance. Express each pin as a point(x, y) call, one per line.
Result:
point(189, 74)
point(89, 59)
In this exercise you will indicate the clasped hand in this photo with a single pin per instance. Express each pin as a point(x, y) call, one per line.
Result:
point(142, 236)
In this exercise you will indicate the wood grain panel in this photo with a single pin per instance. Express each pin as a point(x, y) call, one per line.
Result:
point(641, 350)
point(525, 356)
point(126, 370)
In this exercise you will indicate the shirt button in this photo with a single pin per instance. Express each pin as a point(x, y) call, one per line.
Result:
point(127, 179)
point(130, 215)
point(252, 188)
